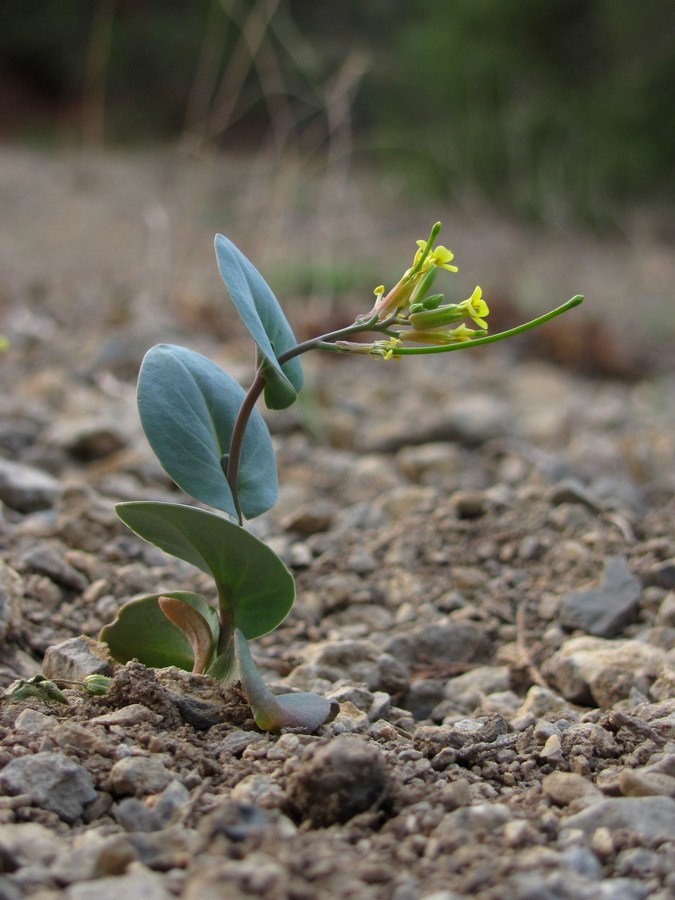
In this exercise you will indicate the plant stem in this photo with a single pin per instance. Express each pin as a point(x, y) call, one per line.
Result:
point(490, 339)
point(257, 387)
point(327, 342)
point(356, 328)
point(237, 442)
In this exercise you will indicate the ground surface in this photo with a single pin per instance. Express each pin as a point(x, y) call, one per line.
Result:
point(485, 558)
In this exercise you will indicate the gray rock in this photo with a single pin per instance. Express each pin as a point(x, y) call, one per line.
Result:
point(361, 561)
point(235, 742)
point(258, 791)
point(310, 518)
point(642, 863)
point(423, 695)
point(237, 821)
point(133, 714)
point(139, 775)
point(198, 713)
point(605, 610)
point(171, 802)
point(666, 613)
point(32, 721)
point(30, 879)
point(360, 661)
point(580, 659)
point(84, 519)
point(662, 574)
point(620, 889)
point(571, 491)
point(469, 423)
point(583, 861)
point(46, 558)
point(86, 439)
point(564, 884)
point(165, 849)
point(470, 504)
point(467, 691)
point(611, 684)
point(8, 890)
point(445, 642)
point(133, 815)
point(646, 783)
point(11, 593)
point(650, 818)
point(660, 716)
point(472, 820)
point(357, 695)
point(552, 749)
point(75, 658)
point(564, 788)
point(28, 843)
point(133, 886)
point(300, 555)
point(25, 488)
point(427, 463)
point(93, 856)
point(350, 719)
point(540, 702)
point(666, 765)
point(52, 780)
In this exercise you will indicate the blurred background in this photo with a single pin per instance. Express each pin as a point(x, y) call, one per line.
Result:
point(324, 139)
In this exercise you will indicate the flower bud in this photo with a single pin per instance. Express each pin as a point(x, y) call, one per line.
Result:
point(98, 685)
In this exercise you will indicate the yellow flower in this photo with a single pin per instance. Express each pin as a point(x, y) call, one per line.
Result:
point(439, 257)
point(475, 307)
point(425, 260)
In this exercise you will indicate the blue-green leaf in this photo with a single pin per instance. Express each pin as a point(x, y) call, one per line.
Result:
point(255, 589)
point(188, 406)
point(260, 312)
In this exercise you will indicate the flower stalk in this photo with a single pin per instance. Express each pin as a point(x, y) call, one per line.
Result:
point(405, 315)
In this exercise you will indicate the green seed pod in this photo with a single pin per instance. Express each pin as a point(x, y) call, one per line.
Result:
point(436, 318)
point(428, 303)
point(424, 285)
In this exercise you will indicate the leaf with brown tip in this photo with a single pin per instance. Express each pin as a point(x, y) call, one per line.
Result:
point(195, 628)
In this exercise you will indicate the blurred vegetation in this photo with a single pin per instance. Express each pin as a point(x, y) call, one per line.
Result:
point(553, 106)
point(556, 109)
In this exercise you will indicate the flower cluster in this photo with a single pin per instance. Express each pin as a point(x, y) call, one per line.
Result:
point(416, 280)
point(409, 313)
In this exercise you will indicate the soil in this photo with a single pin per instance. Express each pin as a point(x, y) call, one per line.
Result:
point(484, 551)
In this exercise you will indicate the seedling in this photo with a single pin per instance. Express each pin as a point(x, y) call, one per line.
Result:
point(208, 435)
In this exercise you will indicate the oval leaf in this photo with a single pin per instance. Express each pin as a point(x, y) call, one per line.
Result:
point(261, 314)
point(188, 406)
point(272, 712)
point(141, 631)
point(255, 588)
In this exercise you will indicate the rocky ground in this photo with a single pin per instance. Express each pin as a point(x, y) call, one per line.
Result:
point(485, 558)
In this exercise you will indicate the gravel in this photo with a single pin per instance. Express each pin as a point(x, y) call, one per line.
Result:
point(483, 547)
